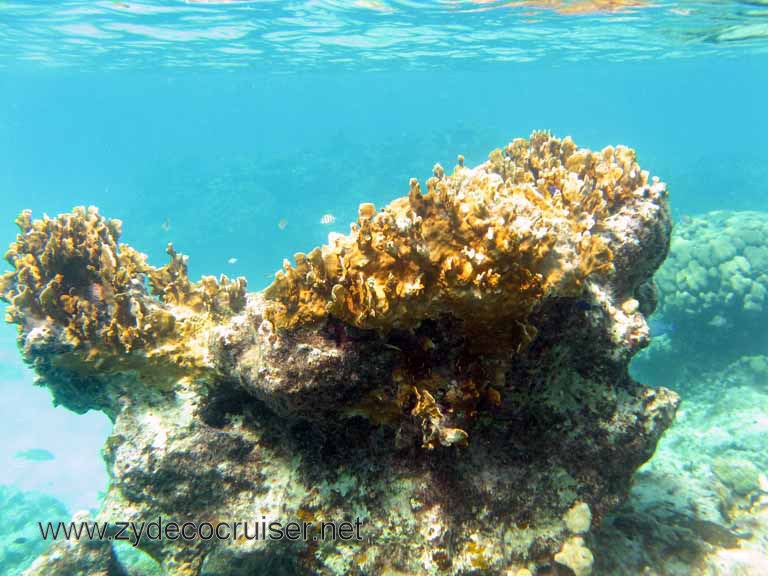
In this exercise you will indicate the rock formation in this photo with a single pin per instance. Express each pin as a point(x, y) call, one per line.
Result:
point(450, 379)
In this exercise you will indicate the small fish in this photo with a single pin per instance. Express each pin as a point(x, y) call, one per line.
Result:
point(166, 225)
point(232, 260)
point(21, 540)
point(282, 223)
point(660, 327)
point(35, 455)
point(327, 219)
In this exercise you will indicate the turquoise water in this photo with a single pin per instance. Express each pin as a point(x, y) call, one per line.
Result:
point(232, 128)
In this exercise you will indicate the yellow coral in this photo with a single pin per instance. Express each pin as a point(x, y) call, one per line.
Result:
point(579, 518)
point(218, 297)
point(71, 270)
point(483, 245)
point(576, 556)
point(435, 432)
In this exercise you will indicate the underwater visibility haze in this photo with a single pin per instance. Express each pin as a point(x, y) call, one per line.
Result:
point(384, 287)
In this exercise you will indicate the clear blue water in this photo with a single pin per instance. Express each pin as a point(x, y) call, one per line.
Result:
point(208, 124)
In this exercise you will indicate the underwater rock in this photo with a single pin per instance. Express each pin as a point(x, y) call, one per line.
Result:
point(737, 473)
point(576, 556)
point(68, 557)
point(684, 515)
point(450, 379)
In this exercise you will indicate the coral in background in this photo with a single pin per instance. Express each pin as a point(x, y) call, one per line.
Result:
point(718, 265)
point(713, 292)
point(20, 541)
point(458, 385)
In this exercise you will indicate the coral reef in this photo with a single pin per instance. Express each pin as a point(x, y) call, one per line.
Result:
point(484, 245)
point(71, 269)
point(452, 375)
point(72, 283)
point(713, 291)
point(579, 518)
point(576, 556)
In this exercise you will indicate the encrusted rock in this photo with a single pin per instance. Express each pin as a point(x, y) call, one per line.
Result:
point(452, 375)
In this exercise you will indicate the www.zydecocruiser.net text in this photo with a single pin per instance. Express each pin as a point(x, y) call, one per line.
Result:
point(156, 530)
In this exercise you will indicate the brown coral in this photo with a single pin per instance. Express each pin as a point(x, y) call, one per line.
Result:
point(71, 271)
point(217, 297)
point(484, 245)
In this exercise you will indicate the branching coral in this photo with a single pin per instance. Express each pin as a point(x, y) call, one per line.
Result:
point(216, 297)
point(484, 245)
point(71, 271)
